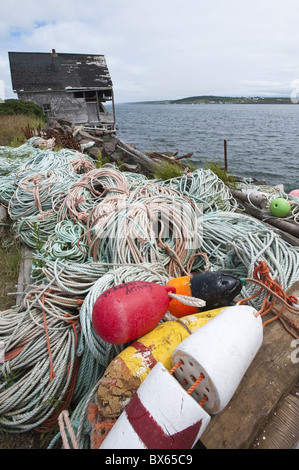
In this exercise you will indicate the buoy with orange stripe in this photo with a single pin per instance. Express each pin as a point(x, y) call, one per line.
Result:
point(216, 288)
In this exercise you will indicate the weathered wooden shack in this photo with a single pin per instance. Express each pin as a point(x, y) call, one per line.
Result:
point(74, 86)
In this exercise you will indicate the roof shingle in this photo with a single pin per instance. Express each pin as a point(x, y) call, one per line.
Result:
point(39, 71)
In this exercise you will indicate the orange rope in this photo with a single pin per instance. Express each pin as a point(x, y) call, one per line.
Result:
point(204, 399)
point(196, 383)
point(261, 276)
point(12, 354)
point(176, 366)
point(50, 423)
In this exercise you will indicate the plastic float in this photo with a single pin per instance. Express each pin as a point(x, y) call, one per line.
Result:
point(129, 310)
point(161, 415)
point(217, 289)
point(280, 207)
point(295, 192)
point(218, 354)
point(132, 309)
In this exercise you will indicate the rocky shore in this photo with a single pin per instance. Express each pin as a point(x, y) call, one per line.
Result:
point(105, 145)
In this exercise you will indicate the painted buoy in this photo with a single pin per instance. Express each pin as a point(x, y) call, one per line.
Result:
point(219, 352)
point(197, 320)
point(127, 311)
point(129, 368)
point(295, 192)
point(161, 415)
point(280, 207)
point(217, 289)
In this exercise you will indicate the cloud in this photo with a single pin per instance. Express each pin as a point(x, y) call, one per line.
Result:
point(166, 48)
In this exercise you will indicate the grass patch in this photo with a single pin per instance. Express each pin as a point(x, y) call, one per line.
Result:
point(167, 171)
point(12, 128)
point(100, 161)
point(10, 259)
point(228, 180)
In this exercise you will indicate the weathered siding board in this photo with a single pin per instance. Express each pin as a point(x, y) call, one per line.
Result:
point(62, 105)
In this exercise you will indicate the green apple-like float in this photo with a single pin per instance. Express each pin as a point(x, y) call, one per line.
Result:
point(280, 207)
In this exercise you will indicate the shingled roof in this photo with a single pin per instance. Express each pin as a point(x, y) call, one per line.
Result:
point(39, 71)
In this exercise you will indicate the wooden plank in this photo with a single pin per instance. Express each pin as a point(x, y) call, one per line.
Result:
point(282, 430)
point(24, 273)
point(270, 377)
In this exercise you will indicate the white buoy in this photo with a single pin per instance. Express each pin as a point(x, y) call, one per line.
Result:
point(161, 415)
point(219, 352)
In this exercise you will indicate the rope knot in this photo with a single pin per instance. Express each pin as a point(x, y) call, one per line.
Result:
point(262, 269)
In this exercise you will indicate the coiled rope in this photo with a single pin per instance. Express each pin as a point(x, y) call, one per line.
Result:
point(100, 228)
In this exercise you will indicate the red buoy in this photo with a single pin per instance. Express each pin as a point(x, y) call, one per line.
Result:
point(130, 310)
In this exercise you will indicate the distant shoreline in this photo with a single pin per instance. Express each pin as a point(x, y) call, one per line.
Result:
point(221, 100)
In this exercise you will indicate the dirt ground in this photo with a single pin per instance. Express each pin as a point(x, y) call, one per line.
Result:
point(27, 440)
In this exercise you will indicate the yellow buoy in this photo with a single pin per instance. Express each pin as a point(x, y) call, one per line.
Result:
point(127, 371)
point(195, 321)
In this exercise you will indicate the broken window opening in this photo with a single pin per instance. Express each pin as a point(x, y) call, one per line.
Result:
point(46, 108)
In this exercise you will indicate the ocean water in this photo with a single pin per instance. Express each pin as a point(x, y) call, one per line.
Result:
point(262, 140)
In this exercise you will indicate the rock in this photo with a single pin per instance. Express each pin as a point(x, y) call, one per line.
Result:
point(53, 126)
point(109, 147)
point(94, 152)
point(96, 132)
point(64, 122)
point(116, 156)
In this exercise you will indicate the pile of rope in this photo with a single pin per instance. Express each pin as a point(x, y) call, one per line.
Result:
point(91, 229)
point(40, 364)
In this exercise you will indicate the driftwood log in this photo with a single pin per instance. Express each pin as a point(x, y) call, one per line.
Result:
point(146, 163)
point(287, 229)
point(256, 200)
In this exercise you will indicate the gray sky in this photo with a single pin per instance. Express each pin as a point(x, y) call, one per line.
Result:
point(165, 49)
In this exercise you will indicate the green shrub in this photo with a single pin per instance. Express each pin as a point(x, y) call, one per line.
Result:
point(28, 108)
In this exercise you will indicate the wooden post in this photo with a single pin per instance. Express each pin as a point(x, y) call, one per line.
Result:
point(225, 155)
